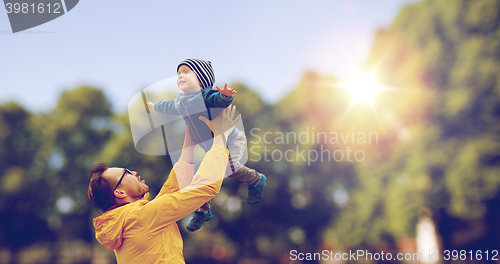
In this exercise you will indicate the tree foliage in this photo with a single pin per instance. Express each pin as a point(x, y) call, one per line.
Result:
point(443, 60)
point(437, 147)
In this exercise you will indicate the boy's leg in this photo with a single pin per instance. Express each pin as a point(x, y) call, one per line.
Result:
point(256, 183)
point(247, 176)
point(236, 146)
point(200, 217)
point(237, 171)
point(206, 207)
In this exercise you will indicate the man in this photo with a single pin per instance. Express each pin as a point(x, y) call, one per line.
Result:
point(139, 231)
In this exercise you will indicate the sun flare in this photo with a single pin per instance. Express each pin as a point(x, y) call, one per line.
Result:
point(364, 88)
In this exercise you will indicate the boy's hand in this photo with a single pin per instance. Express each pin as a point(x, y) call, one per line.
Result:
point(150, 105)
point(227, 91)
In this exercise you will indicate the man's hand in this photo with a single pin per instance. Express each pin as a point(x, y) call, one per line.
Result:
point(224, 123)
point(150, 105)
point(227, 91)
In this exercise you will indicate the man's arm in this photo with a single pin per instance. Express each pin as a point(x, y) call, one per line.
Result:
point(184, 168)
point(172, 207)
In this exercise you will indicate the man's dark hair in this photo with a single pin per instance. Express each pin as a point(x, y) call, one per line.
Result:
point(100, 189)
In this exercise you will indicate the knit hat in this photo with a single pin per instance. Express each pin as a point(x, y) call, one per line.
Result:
point(203, 70)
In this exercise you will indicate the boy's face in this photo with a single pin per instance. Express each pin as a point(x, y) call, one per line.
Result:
point(187, 80)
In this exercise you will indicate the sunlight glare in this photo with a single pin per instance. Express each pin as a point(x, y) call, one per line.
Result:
point(364, 89)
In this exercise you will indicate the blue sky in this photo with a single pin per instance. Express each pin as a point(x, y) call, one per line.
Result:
point(124, 46)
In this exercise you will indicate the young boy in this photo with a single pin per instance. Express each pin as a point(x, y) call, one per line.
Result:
point(196, 79)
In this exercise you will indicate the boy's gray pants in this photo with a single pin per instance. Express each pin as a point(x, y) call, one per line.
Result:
point(242, 173)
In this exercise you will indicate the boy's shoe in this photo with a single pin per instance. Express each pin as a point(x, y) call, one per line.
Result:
point(198, 219)
point(255, 192)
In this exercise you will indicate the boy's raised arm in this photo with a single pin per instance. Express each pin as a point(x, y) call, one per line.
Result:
point(164, 107)
point(222, 98)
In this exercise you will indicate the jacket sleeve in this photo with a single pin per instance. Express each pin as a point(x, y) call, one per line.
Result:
point(166, 107)
point(180, 176)
point(214, 98)
point(172, 207)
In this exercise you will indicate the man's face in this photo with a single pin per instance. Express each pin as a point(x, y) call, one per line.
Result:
point(187, 80)
point(131, 184)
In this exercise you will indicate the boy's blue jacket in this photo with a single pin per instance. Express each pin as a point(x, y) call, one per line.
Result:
point(206, 102)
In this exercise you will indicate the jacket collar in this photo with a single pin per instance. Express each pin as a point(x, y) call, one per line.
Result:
point(145, 197)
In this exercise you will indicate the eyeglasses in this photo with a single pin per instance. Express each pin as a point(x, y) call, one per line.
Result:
point(120, 181)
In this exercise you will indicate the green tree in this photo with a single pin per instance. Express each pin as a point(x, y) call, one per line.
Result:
point(45, 159)
point(22, 223)
point(443, 57)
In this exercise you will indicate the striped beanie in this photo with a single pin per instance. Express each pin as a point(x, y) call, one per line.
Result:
point(203, 70)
